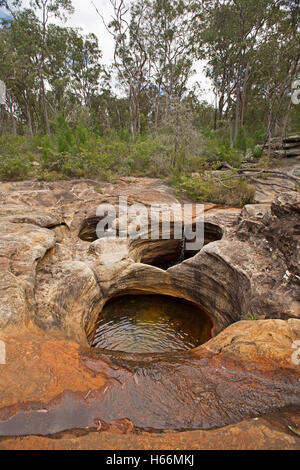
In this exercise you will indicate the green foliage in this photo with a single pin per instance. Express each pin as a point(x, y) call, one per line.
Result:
point(218, 150)
point(260, 136)
point(241, 140)
point(82, 134)
point(14, 168)
point(250, 317)
point(80, 154)
point(15, 158)
point(125, 136)
point(64, 136)
point(257, 152)
point(206, 188)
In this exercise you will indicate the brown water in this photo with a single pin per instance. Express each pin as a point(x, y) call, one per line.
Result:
point(151, 324)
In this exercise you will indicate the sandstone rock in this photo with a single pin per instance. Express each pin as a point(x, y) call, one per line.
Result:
point(288, 146)
point(278, 232)
point(269, 433)
point(68, 300)
point(230, 277)
point(21, 248)
point(268, 340)
point(245, 372)
point(55, 278)
point(268, 189)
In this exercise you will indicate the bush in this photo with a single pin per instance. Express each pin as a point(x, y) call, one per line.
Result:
point(149, 158)
point(14, 168)
point(64, 136)
point(215, 152)
point(257, 152)
point(205, 188)
point(260, 136)
point(241, 140)
point(73, 151)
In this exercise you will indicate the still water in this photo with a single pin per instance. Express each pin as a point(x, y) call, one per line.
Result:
point(150, 324)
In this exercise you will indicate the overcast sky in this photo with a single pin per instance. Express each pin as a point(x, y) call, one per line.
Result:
point(86, 18)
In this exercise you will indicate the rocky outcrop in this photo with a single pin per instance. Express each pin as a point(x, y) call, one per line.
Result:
point(267, 189)
point(278, 232)
point(248, 267)
point(21, 247)
point(288, 146)
point(55, 278)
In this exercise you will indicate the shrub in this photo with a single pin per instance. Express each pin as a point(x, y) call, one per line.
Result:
point(206, 188)
point(222, 153)
point(64, 136)
point(257, 152)
point(241, 140)
point(149, 158)
point(260, 136)
point(14, 168)
point(82, 134)
point(51, 159)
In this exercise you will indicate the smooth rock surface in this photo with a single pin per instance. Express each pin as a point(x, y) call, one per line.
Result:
point(50, 385)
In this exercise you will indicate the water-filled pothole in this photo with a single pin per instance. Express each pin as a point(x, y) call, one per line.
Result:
point(150, 324)
point(165, 254)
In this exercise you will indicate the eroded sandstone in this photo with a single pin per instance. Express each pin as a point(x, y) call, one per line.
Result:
point(55, 279)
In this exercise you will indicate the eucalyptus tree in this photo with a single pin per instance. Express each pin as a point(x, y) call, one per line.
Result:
point(278, 66)
point(46, 9)
point(131, 54)
point(85, 68)
point(168, 27)
point(19, 40)
point(230, 33)
point(151, 53)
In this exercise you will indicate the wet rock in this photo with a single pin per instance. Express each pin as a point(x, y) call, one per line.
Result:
point(55, 278)
point(249, 259)
point(270, 433)
point(50, 385)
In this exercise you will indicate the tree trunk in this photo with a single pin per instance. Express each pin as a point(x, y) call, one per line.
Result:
point(237, 105)
point(269, 133)
point(29, 121)
point(216, 112)
point(286, 120)
point(244, 93)
point(45, 106)
point(131, 117)
point(137, 114)
point(221, 106)
point(237, 115)
point(230, 132)
point(13, 120)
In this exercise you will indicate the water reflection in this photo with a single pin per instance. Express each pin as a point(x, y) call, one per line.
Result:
point(151, 324)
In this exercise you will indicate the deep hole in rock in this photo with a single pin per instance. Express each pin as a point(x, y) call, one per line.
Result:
point(150, 324)
point(160, 253)
point(164, 254)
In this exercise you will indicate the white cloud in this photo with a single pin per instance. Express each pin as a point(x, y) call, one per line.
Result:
point(3, 13)
point(86, 18)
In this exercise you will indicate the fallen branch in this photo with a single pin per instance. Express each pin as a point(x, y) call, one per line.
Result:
point(242, 172)
point(268, 184)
